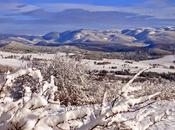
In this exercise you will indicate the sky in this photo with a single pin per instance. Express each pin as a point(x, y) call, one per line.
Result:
point(41, 16)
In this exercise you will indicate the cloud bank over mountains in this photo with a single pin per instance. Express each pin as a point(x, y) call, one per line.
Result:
point(38, 17)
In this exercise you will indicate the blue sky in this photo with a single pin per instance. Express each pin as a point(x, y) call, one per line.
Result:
point(42, 16)
point(95, 2)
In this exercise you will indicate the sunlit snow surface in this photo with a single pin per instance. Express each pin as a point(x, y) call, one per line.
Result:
point(39, 110)
point(162, 64)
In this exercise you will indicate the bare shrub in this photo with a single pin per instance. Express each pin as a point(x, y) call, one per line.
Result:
point(102, 63)
point(130, 62)
point(73, 83)
point(10, 57)
point(23, 81)
point(27, 58)
point(114, 67)
point(172, 67)
point(4, 69)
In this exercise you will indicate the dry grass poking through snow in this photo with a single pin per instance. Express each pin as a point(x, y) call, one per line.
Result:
point(4, 69)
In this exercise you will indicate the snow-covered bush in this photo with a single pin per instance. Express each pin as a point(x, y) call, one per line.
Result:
point(74, 85)
point(38, 109)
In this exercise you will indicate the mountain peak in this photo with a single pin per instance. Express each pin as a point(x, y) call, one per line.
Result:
point(51, 35)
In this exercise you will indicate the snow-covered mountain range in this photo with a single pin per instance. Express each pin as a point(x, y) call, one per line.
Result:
point(107, 40)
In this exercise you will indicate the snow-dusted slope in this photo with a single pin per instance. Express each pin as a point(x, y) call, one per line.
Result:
point(107, 40)
point(94, 36)
point(51, 35)
point(163, 38)
point(140, 33)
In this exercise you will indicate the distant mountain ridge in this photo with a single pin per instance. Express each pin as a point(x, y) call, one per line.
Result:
point(108, 40)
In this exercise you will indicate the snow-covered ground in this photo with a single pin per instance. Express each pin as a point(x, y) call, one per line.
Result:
point(40, 110)
point(161, 65)
point(17, 61)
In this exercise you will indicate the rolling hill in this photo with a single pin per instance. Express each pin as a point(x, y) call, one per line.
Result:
point(154, 40)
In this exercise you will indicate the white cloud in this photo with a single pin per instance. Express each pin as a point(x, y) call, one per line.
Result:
point(17, 7)
point(64, 6)
point(155, 8)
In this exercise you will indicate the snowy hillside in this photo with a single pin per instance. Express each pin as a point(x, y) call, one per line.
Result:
point(160, 37)
point(107, 40)
point(94, 36)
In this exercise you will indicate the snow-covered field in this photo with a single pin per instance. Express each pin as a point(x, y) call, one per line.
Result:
point(36, 107)
point(40, 111)
point(15, 59)
point(161, 65)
